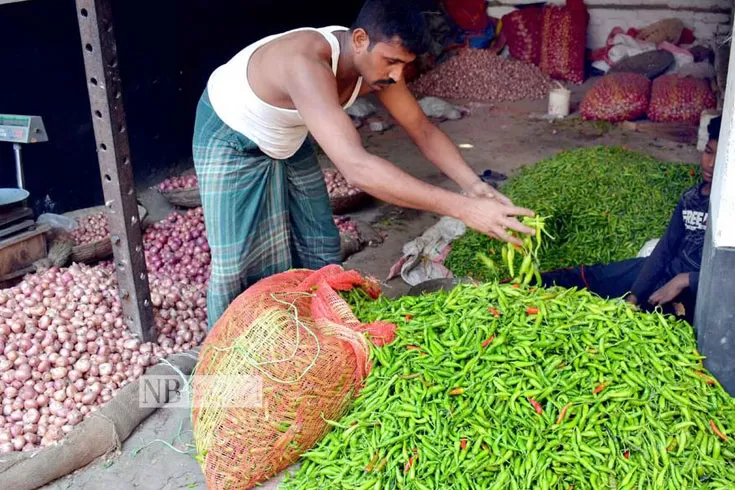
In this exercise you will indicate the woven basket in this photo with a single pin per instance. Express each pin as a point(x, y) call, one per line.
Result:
point(185, 198)
point(89, 253)
point(345, 204)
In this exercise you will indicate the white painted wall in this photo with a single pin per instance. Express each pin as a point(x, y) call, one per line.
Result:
point(707, 18)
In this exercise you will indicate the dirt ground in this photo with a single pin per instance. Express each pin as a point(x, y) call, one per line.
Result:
point(503, 138)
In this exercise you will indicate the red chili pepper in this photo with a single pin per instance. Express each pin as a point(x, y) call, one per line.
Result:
point(626, 454)
point(532, 311)
point(599, 389)
point(407, 466)
point(536, 406)
point(495, 312)
point(463, 444)
point(563, 413)
point(691, 172)
point(706, 378)
point(488, 341)
point(717, 431)
point(409, 317)
point(456, 391)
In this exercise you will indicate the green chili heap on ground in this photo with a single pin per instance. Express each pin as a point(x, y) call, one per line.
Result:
point(499, 387)
point(604, 204)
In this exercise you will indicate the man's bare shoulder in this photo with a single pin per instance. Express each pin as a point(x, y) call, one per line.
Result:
point(303, 45)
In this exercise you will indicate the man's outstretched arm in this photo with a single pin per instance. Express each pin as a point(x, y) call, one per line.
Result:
point(313, 90)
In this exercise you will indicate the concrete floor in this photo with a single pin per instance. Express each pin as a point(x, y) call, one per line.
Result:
point(504, 138)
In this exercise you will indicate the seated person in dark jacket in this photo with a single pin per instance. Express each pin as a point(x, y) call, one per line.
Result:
point(670, 276)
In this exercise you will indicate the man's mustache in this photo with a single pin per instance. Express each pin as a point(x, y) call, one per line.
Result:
point(387, 81)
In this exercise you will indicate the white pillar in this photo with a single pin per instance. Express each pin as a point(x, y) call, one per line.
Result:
point(715, 315)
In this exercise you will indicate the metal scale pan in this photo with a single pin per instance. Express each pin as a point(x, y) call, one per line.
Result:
point(11, 198)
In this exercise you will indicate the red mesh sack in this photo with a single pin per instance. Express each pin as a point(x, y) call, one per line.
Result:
point(522, 30)
point(470, 15)
point(679, 99)
point(299, 338)
point(563, 41)
point(617, 97)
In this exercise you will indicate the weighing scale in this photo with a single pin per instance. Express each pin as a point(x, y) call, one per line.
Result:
point(21, 241)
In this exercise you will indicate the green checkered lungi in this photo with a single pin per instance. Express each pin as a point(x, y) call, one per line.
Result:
point(263, 216)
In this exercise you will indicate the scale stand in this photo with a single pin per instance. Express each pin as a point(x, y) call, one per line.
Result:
point(21, 130)
point(22, 242)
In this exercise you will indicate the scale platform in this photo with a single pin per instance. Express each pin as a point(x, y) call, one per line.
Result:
point(22, 129)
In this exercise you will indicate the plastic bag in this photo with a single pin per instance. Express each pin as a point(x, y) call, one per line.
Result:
point(297, 336)
point(436, 107)
point(57, 221)
point(617, 97)
point(361, 109)
point(648, 248)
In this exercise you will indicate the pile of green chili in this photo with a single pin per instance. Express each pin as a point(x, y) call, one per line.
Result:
point(499, 387)
point(605, 203)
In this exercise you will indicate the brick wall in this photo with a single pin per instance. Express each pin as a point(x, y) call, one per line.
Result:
point(708, 18)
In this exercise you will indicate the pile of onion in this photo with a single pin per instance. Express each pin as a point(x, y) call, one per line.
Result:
point(177, 248)
point(346, 225)
point(179, 183)
point(64, 349)
point(91, 228)
point(337, 185)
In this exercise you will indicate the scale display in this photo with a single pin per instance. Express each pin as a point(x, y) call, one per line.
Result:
point(22, 129)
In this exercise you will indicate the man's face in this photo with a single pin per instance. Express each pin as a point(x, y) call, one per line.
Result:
point(708, 160)
point(381, 64)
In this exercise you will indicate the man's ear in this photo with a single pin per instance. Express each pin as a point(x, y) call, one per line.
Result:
point(360, 40)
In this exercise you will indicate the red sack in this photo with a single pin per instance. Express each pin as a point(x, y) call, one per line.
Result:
point(294, 343)
point(522, 29)
point(617, 97)
point(680, 99)
point(563, 41)
point(470, 15)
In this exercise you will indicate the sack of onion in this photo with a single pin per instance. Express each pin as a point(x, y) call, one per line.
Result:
point(617, 97)
point(679, 99)
point(564, 40)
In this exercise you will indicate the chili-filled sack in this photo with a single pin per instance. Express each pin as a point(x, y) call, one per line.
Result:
point(287, 355)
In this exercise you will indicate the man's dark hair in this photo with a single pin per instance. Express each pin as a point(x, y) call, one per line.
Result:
point(714, 128)
point(384, 20)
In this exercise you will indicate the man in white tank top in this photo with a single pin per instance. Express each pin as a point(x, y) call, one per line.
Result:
point(265, 203)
